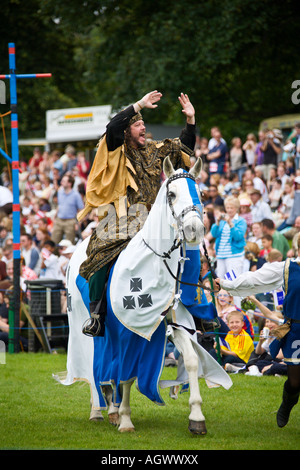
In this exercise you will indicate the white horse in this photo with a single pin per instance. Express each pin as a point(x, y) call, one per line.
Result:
point(144, 308)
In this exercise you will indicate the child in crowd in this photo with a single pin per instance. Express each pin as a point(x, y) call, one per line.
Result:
point(237, 346)
point(267, 241)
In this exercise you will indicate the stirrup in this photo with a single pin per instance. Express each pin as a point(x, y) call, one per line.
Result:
point(92, 327)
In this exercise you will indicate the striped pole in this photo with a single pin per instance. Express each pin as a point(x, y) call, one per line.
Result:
point(14, 320)
point(13, 345)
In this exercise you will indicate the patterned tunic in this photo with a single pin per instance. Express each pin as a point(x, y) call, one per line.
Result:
point(113, 233)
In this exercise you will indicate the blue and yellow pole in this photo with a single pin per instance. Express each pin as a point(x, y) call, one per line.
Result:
point(14, 317)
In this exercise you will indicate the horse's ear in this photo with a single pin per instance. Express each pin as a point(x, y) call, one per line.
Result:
point(196, 169)
point(168, 167)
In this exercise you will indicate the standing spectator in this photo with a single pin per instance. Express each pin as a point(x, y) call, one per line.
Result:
point(30, 253)
point(69, 203)
point(217, 154)
point(36, 159)
point(229, 232)
point(250, 148)
point(237, 157)
point(259, 154)
point(83, 165)
point(271, 148)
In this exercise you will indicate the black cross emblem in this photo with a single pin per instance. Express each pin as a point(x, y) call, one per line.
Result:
point(129, 302)
point(69, 304)
point(136, 284)
point(145, 300)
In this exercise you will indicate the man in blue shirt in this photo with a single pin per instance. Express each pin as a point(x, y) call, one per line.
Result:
point(69, 203)
point(217, 154)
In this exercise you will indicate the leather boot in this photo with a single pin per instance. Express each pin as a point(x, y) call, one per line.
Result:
point(289, 400)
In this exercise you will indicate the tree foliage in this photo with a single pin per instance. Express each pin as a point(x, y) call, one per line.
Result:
point(236, 59)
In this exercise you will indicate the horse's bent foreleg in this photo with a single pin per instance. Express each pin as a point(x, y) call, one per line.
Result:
point(113, 411)
point(125, 411)
point(190, 358)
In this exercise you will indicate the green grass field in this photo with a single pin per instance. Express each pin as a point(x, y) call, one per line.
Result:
point(38, 413)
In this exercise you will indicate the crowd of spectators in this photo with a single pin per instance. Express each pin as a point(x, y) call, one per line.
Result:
point(250, 191)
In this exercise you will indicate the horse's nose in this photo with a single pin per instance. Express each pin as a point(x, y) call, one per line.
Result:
point(193, 230)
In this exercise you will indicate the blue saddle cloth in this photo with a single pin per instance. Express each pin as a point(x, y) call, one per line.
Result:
point(122, 355)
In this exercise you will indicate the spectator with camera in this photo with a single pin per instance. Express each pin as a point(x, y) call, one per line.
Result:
point(271, 147)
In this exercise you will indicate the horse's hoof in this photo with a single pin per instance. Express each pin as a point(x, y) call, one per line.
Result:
point(96, 415)
point(126, 429)
point(113, 418)
point(197, 427)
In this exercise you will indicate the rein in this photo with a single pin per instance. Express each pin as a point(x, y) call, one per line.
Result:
point(179, 242)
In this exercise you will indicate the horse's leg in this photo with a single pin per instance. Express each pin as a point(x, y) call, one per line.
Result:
point(95, 415)
point(113, 411)
point(125, 411)
point(190, 358)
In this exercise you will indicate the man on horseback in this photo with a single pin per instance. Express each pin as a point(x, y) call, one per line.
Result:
point(126, 172)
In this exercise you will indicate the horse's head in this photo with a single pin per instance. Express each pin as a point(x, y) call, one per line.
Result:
point(184, 200)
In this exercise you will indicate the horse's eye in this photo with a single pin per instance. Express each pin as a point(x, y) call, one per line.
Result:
point(172, 195)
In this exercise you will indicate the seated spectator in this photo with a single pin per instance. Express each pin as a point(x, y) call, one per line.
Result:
point(293, 235)
point(4, 235)
point(251, 256)
point(245, 212)
point(49, 267)
point(261, 361)
point(275, 196)
point(274, 255)
point(30, 253)
point(267, 241)
point(281, 174)
point(224, 304)
point(259, 208)
point(286, 205)
point(279, 240)
point(295, 212)
point(258, 182)
point(237, 346)
point(256, 234)
point(213, 196)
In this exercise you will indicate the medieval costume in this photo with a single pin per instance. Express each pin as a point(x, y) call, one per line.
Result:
point(271, 277)
point(121, 177)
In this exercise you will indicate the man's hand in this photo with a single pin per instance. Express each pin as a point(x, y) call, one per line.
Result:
point(217, 283)
point(148, 101)
point(187, 108)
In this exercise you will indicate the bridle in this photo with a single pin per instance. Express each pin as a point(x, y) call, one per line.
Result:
point(178, 242)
